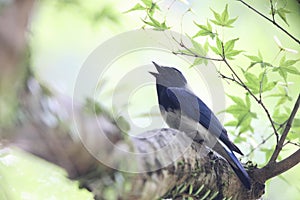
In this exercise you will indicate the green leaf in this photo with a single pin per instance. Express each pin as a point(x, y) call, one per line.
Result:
point(223, 19)
point(231, 123)
point(217, 16)
point(237, 100)
point(260, 56)
point(233, 53)
point(206, 46)
point(245, 123)
point(251, 78)
point(225, 15)
point(205, 30)
point(295, 129)
point(257, 60)
point(197, 61)
point(161, 26)
point(282, 94)
point(268, 152)
point(197, 48)
point(219, 44)
point(286, 67)
point(291, 70)
point(229, 45)
point(269, 86)
point(253, 82)
point(241, 111)
point(240, 139)
point(148, 3)
point(243, 118)
point(281, 101)
point(235, 110)
point(282, 14)
point(230, 22)
point(219, 47)
point(248, 102)
point(254, 58)
point(215, 50)
point(286, 63)
point(281, 72)
point(136, 7)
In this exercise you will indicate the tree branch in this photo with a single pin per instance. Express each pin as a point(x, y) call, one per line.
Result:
point(274, 169)
point(270, 20)
point(285, 131)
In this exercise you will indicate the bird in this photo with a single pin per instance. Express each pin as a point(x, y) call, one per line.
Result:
point(183, 110)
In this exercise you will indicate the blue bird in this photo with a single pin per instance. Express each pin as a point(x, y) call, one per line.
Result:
point(184, 111)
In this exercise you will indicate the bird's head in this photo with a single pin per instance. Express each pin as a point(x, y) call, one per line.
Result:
point(168, 76)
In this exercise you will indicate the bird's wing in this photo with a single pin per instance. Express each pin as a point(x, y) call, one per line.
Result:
point(191, 106)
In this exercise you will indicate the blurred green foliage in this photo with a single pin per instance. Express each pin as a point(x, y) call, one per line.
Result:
point(24, 176)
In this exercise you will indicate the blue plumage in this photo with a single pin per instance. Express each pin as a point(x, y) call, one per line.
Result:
point(178, 103)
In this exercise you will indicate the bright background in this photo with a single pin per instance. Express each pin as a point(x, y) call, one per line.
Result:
point(62, 37)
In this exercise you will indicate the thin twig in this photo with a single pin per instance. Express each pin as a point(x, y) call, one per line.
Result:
point(285, 131)
point(229, 78)
point(260, 144)
point(264, 140)
point(293, 143)
point(196, 56)
point(272, 11)
point(261, 85)
point(272, 21)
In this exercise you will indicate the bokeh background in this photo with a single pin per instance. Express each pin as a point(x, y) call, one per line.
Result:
point(64, 33)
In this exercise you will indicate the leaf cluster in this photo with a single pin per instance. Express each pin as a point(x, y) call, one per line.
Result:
point(150, 8)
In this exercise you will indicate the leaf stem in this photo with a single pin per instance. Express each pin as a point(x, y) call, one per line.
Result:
point(272, 11)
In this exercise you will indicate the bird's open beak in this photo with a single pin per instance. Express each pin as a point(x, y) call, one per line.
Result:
point(158, 68)
point(154, 74)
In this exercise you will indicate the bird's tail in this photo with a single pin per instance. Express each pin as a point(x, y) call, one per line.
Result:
point(235, 164)
point(239, 169)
